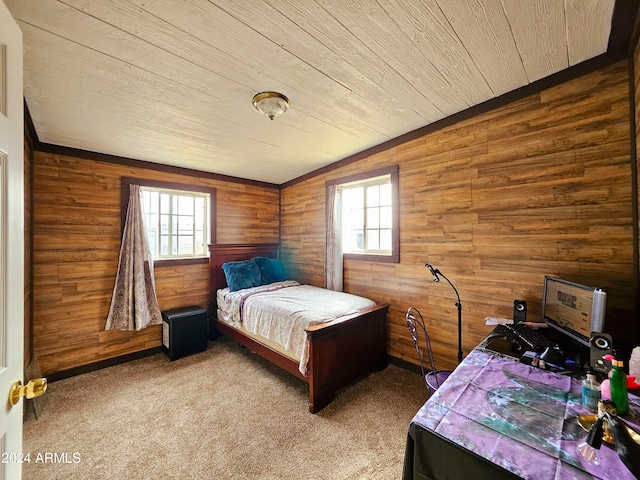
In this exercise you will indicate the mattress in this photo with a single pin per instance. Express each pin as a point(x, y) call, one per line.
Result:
point(280, 312)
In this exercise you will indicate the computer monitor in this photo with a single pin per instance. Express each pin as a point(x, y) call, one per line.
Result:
point(573, 309)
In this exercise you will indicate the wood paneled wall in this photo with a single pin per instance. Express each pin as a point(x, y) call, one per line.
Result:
point(540, 186)
point(76, 213)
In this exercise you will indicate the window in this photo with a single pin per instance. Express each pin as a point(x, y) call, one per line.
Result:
point(176, 222)
point(179, 219)
point(369, 215)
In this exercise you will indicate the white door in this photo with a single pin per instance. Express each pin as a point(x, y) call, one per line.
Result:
point(11, 242)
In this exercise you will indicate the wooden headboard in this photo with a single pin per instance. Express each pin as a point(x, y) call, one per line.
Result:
point(220, 254)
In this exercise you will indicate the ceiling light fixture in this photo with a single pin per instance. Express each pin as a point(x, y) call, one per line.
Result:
point(271, 104)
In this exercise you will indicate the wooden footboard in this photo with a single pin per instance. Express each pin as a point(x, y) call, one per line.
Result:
point(343, 350)
point(340, 351)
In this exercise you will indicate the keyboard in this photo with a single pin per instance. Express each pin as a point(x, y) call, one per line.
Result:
point(528, 337)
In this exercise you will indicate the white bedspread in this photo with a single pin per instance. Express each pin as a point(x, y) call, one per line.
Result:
point(281, 311)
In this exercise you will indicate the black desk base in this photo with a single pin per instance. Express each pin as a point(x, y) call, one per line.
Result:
point(441, 459)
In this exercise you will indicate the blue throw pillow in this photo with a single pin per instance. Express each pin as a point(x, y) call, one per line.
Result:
point(271, 270)
point(243, 274)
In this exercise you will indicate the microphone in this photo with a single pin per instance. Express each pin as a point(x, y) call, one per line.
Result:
point(433, 272)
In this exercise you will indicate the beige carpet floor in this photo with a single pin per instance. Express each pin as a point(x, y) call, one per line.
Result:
point(221, 414)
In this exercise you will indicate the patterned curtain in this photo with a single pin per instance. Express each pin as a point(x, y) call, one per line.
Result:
point(134, 304)
point(333, 264)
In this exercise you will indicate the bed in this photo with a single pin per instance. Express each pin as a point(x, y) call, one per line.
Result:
point(339, 351)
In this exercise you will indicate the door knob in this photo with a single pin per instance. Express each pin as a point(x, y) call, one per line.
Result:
point(34, 388)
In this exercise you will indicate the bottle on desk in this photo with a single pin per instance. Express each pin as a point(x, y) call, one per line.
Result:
point(618, 385)
point(590, 392)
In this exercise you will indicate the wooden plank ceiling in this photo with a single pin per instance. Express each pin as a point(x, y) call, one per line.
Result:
point(171, 81)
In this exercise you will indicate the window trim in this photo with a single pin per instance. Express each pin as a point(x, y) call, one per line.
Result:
point(395, 225)
point(144, 182)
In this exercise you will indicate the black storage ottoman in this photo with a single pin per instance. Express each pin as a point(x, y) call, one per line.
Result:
point(184, 331)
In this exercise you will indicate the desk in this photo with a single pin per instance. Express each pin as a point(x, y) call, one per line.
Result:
point(495, 418)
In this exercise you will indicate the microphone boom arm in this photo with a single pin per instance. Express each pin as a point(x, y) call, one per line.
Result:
point(435, 272)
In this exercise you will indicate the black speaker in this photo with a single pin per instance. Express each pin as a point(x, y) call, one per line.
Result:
point(600, 345)
point(519, 311)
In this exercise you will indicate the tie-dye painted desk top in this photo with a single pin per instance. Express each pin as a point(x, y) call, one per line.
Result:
point(520, 418)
